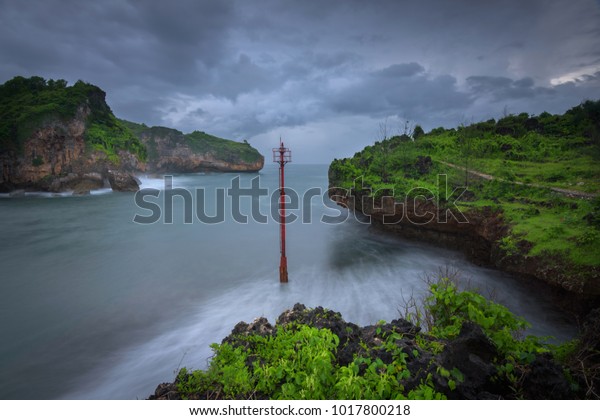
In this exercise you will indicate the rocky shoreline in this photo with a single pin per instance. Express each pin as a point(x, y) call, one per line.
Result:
point(57, 158)
point(479, 239)
point(471, 353)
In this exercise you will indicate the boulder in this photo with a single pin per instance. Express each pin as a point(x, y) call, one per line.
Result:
point(545, 379)
point(472, 353)
point(123, 181)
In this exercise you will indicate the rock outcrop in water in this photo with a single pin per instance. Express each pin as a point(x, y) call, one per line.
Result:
point(123, 181)
point(469, 366)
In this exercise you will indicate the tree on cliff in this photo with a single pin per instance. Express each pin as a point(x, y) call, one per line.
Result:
point(466, 140)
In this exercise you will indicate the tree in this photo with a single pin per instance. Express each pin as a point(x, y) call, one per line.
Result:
point(417, 132)
point(384, 149)
point(465, 141)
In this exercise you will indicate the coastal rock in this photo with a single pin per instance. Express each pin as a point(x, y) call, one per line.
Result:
point(57, 151)
point(478, 234)
point(543, 378)
point(472, 354)
point(55, 159)
point(172, 151)
point(166, 391)
point(123, 181)
point(242, 330)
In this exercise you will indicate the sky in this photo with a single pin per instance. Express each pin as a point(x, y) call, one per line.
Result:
point(322, 75)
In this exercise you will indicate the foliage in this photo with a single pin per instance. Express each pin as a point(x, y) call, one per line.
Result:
point(450, 308)
point(530, 158)
point(508, 245)
point(113, 136)
point(26, 104)
point(296, 363)
point(299, 361)
point(223, 149)
point(198, 141)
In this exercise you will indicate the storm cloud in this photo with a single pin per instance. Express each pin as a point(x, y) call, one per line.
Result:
point(322, 75)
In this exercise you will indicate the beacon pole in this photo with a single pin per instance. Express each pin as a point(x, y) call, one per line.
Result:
point(282, 155)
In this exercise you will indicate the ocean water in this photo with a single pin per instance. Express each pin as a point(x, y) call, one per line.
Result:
point(96, 306)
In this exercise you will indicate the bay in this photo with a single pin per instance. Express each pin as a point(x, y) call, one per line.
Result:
point(96, 306)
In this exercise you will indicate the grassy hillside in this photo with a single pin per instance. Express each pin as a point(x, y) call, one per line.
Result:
point(520, 165)
point(197, 141)
point(26, 104)
point(223, 149)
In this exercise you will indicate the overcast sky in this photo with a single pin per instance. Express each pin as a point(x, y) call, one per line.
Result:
point(321, 74)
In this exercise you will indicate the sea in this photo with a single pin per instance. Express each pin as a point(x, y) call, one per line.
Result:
point(107, 295)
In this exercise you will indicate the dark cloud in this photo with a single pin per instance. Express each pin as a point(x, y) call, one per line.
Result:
point(245, 69)
point(505, 89)
point(399, 70)
point(403, 89)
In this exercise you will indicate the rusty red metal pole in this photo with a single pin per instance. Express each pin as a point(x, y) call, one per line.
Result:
point(282, 155)
point(283, 274)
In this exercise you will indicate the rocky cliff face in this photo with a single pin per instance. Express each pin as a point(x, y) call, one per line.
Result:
point(55, 137)
point(172, 151)
point(55, 158)
point(478, 235)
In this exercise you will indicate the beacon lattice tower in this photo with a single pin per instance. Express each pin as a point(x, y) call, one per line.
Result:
point(282, 155)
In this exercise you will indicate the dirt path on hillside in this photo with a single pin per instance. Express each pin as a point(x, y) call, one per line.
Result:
point(563, 191)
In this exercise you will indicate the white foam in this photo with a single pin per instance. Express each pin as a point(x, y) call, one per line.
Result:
point(151, 181)
point(101, 191)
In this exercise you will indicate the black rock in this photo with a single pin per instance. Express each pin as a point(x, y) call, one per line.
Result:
point(472, 353)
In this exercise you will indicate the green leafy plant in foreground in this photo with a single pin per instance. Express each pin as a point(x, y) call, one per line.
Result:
point(298, 361)
point(450, 308)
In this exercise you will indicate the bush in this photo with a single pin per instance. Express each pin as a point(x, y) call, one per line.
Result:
point(300, 361)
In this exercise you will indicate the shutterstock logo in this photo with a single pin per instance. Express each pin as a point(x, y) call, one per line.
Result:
point(225, 204)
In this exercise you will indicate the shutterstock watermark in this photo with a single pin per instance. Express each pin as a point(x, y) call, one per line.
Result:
point(418, 206)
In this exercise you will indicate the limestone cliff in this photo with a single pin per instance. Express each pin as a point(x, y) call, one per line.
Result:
point(478, 235)
point(55, 137)
point(170, 150)
point(56, 157)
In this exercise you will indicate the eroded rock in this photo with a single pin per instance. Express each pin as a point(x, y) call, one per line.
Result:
point(123, 181)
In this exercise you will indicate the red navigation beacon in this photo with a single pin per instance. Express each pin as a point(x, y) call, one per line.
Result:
point(282, 155)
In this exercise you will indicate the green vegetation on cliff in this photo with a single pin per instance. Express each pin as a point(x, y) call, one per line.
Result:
point(223, 149)
point(197, 141)
point(542, 173)
point(27, 104)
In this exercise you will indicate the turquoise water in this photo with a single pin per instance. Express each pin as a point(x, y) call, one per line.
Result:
point(95, 306)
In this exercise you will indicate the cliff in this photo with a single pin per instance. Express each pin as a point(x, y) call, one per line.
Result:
point(170, 150)
point(480, 238)
point(520, 194)
point(55, 137)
